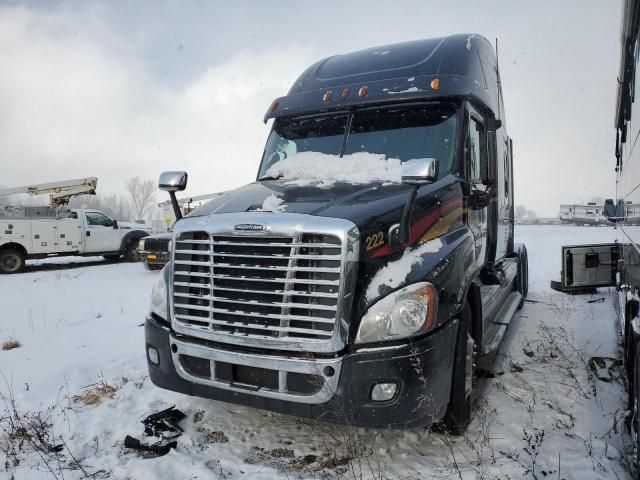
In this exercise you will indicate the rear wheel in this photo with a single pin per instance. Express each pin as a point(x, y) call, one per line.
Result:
point(11, 261)
point(459, 411)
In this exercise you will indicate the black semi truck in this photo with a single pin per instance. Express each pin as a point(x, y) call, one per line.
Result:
point(386, 273)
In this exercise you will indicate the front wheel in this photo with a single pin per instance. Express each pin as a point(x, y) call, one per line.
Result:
point(459, 411)
point(11, 261)
point(131, 251)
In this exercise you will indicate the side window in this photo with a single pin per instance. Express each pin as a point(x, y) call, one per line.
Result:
point(94, 218)
point(476, 151)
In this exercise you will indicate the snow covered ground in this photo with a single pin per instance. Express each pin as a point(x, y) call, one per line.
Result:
point(543, 415)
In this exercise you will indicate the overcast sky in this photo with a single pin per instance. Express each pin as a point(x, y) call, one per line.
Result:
point(117, 89)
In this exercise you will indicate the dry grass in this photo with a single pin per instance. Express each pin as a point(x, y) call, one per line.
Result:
point(11, 344)
point(94, 394)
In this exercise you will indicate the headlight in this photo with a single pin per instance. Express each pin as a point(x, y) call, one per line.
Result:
point(159, 297)
point(141, 245)
point(401, 314)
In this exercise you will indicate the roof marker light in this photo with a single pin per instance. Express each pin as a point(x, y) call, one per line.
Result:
point(435, 83)
point(363, 91)
point(274, 105)
point(345, 94)
point(327, 96)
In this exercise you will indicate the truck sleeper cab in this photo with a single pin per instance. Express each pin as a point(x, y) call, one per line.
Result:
point(389, 269)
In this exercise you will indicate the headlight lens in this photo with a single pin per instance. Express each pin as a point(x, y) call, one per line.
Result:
point(401, 314)
point(141, 245)
point(159, 297)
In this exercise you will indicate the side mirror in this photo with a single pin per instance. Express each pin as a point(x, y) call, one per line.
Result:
point(172, 181)
point(420, 171)
point(115, 224)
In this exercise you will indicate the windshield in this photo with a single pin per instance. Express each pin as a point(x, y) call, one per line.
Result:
point(403, 133)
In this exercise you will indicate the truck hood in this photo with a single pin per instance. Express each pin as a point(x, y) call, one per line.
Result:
point(359, 203)
point(374, 208)
point(133, 226)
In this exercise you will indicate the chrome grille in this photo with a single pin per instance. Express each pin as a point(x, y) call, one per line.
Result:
point(275, 287)
point(156, 245)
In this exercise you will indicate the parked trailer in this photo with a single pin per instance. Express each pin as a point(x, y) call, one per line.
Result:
point(618, 264)
point(291, 309)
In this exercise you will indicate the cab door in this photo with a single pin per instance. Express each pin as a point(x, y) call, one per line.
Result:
point(477, 200)
point(100, 233)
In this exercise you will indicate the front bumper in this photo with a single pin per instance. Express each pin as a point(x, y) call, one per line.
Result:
point(154, 258)
point(421, 369)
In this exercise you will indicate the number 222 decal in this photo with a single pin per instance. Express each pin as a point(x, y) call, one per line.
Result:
point(374, 241)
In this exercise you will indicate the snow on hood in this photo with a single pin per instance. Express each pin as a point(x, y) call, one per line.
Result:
point(307, 168)
point(394, 273)
point(273, 203)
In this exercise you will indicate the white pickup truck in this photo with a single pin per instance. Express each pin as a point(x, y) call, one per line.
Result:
point(28, 233)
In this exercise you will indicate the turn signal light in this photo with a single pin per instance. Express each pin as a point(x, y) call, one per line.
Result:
point(435, 83)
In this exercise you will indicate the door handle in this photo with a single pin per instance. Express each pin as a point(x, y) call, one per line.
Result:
point(88, 233)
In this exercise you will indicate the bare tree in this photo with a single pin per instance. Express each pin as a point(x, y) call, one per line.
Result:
point(141, 193)
point(119, 206)
point(522, 214)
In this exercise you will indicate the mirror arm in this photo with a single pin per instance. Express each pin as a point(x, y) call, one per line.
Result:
point(405, 220)
point(176, 207)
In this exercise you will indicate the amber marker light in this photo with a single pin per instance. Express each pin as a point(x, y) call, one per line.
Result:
point(363, 91)
point(274, 105)
point(345, 94)
point(327, 96)
point(435, 83)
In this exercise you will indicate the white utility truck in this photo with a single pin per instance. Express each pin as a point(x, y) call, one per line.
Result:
point(39, 232)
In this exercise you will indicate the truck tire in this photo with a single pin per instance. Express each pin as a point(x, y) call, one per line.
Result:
point(522, 277)
point(459, 411)
point(131, 251)
point(11, 261)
